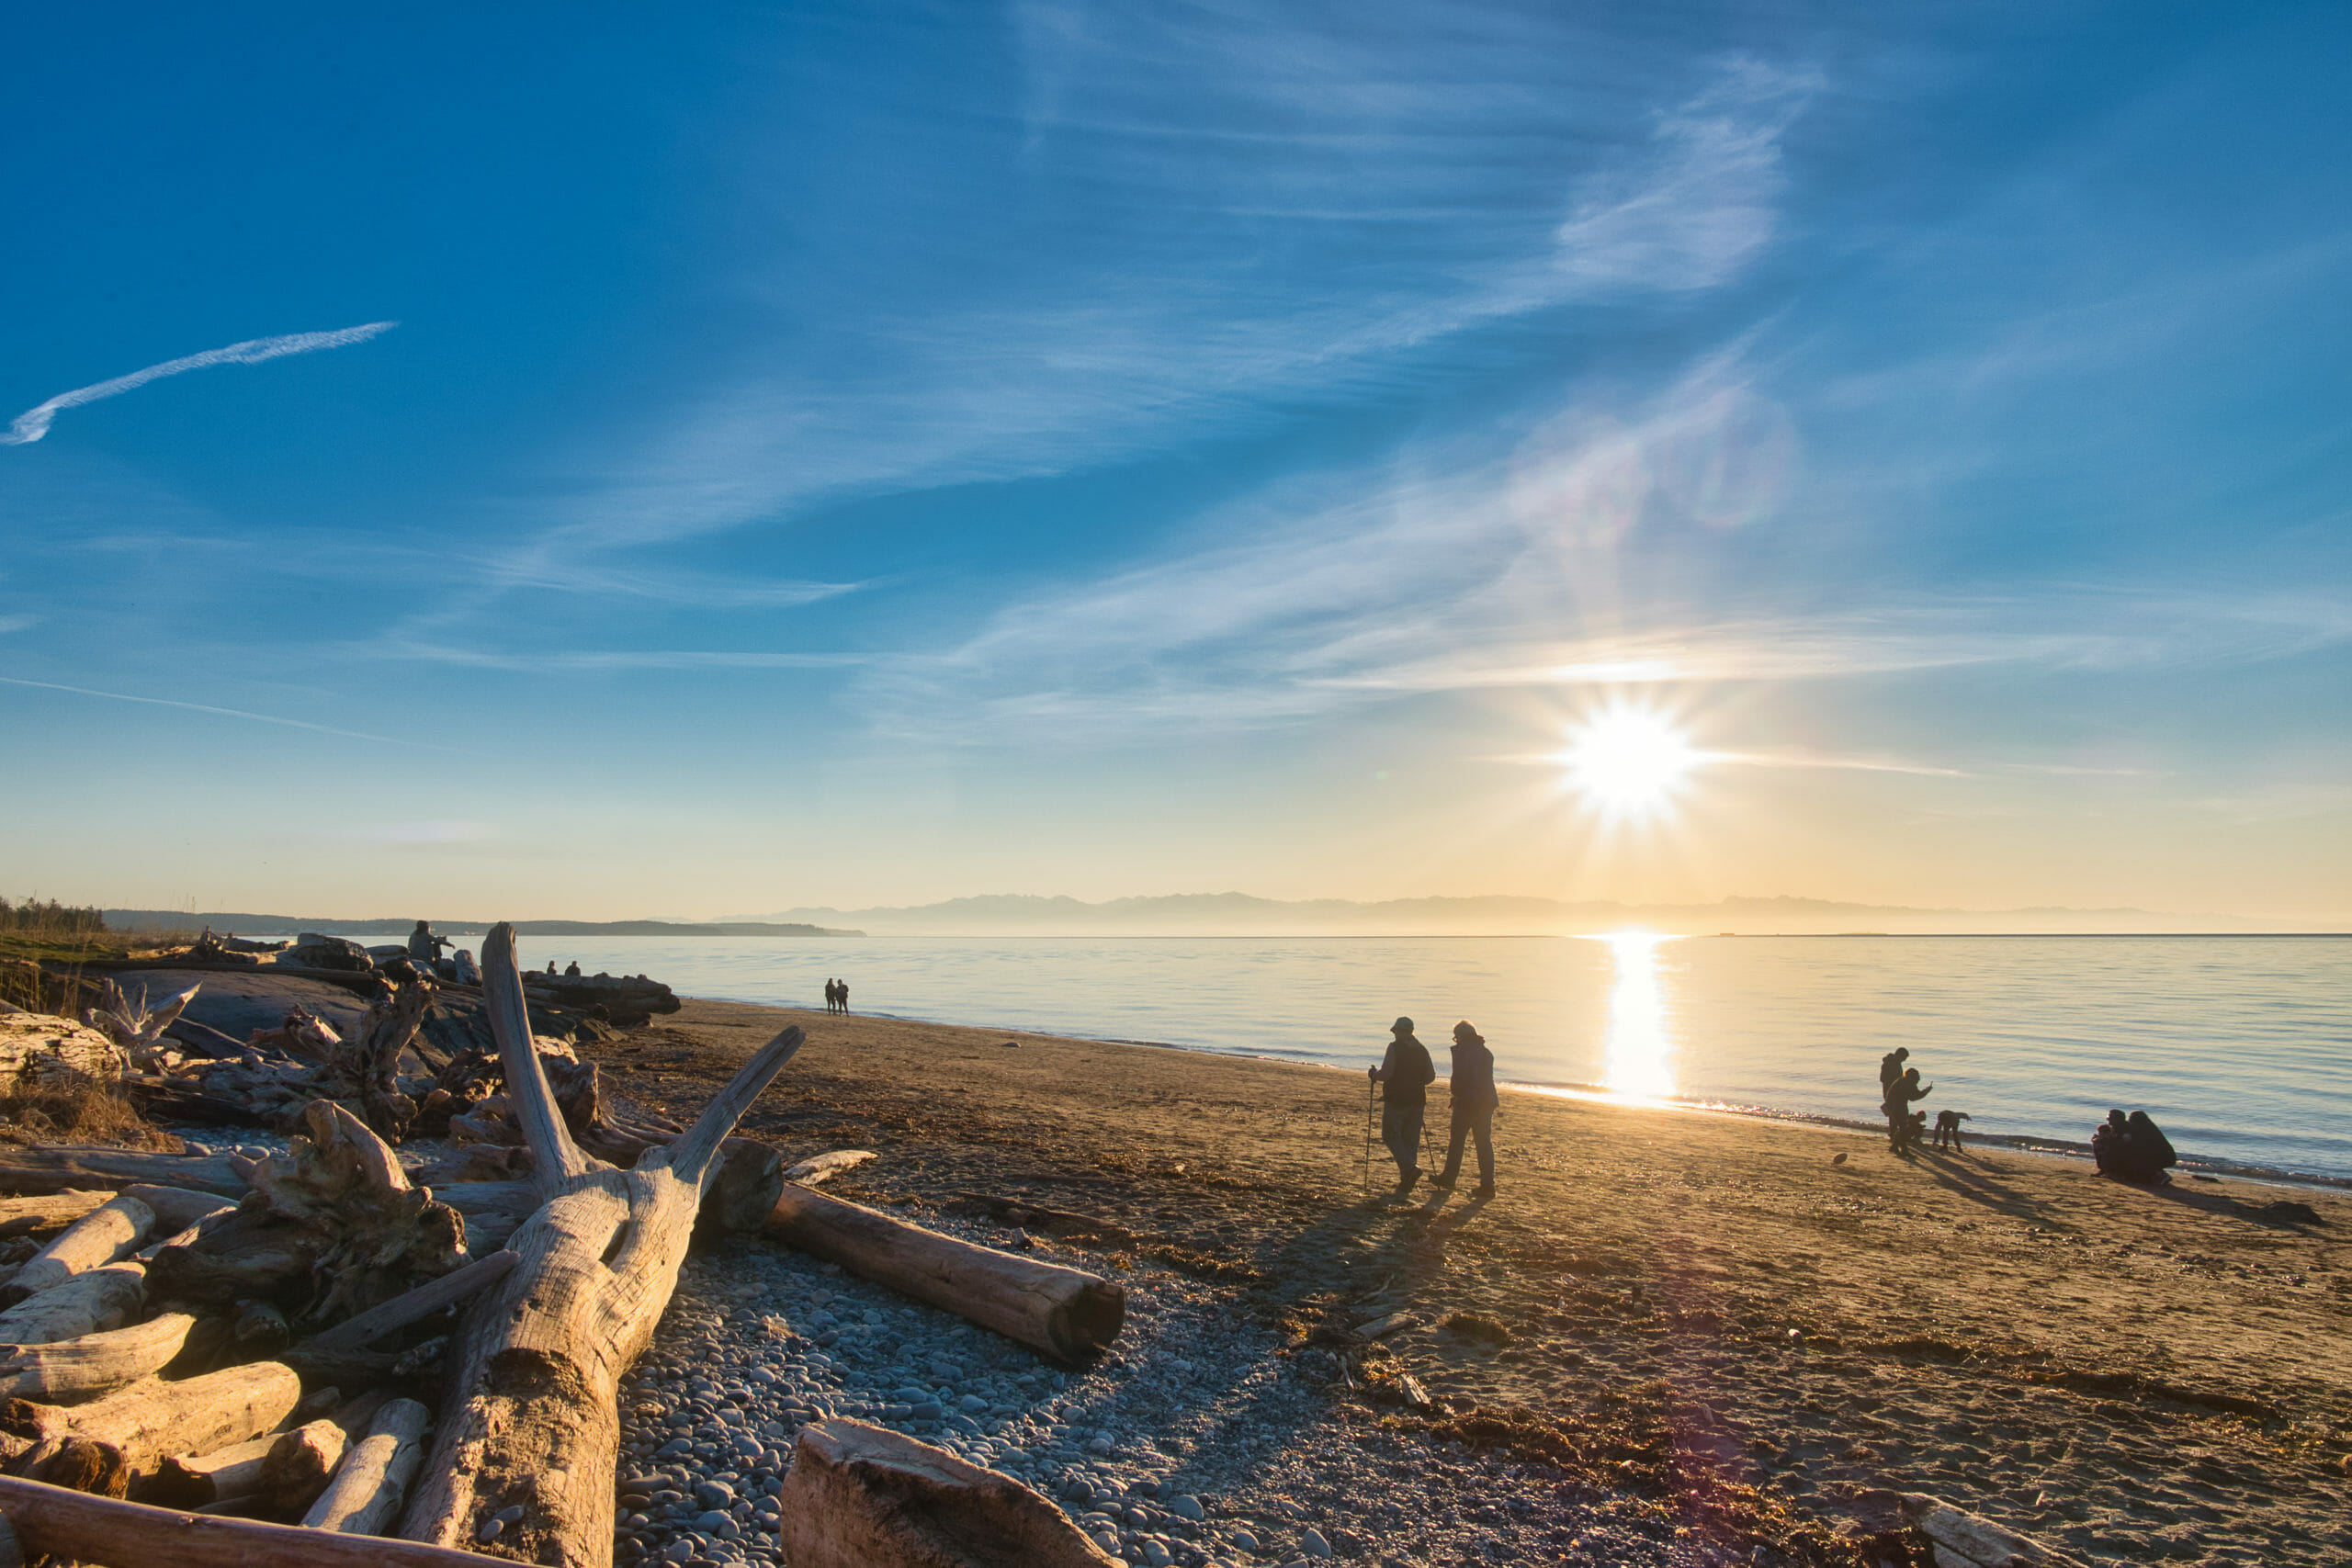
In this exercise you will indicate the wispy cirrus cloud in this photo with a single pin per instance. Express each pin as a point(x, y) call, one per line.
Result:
point(1093, 357)
point(34, 423)
point(1475, 572)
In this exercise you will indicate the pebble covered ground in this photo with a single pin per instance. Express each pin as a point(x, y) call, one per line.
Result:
point(1195, 1443)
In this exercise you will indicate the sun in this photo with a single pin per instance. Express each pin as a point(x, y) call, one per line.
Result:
point(1628, 761)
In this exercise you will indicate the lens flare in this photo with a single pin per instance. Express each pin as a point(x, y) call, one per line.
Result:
point(1628, 761)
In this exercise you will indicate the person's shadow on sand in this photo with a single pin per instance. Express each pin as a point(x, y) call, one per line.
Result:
point(2277, 1215)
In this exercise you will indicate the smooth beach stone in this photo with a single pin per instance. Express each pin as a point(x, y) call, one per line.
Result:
point(1313, 1545)
point(1185, 1506)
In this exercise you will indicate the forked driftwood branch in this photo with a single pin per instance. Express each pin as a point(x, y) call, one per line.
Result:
point(532, 1420)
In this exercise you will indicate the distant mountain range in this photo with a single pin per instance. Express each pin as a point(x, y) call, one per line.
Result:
point(252, 924)
point(1240, 914)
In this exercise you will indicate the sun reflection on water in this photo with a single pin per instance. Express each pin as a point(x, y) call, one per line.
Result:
point(1634, 1063)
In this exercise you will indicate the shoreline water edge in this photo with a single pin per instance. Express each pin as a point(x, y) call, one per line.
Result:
point(2191, 1163)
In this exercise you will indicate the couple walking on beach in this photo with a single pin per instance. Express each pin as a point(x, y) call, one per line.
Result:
point(1404, 1076)
point(836, 995)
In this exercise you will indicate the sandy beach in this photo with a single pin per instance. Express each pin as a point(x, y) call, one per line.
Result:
point(1708, 1323)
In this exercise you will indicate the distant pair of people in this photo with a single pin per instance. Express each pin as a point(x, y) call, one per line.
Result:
point(836, 995)
point(1403, 1076)
point(2132, 1148)
point(1898, 1088)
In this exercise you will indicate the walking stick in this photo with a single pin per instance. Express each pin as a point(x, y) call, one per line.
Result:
point(1371, 1101)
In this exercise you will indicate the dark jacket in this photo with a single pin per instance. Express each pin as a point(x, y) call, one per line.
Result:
point(1406, 1072)
point(1474, 1075)
point(1890, 1067)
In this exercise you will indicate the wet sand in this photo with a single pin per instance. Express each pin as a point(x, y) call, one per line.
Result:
point(1705, 1311)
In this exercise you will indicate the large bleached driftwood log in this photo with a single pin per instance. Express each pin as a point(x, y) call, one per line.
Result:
point(532, 1421)
point(152, 1419)
point(96, 1239)
point(68, 1372)
point(87, 1304)
point(36, 1049)
point(77, 1527)
point(1064, 1312)
point(862, 1497)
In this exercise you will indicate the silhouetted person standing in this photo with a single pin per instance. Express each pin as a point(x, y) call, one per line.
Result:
point(1474, 1110)
point(1403, 1076)
point(1890, 1067)
point(1902, 1132)
point(841, 990)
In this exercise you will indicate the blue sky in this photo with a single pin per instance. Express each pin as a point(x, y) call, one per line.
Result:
point(868, 455)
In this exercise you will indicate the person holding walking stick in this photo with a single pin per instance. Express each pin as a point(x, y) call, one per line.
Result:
point(1403, 1076)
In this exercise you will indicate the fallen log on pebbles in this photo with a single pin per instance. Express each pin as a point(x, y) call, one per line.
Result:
point(1065, 1312)
point(862, 1497)
point(74, 1527)
point(525, 1453)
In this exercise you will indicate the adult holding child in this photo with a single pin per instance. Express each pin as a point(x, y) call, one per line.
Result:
point(1902, 1132)
point(1475, 1100)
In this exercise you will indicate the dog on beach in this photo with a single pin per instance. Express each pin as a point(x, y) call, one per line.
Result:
point(1948, 1127)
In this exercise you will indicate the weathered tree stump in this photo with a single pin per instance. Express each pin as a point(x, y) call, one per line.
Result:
point(532, 1421)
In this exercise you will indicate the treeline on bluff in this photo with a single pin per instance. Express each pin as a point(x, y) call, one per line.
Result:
point(37, 914)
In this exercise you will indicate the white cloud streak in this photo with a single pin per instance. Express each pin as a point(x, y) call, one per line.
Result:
point(34, 423)
point(221, 712)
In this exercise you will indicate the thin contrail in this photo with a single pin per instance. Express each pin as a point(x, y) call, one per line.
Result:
point(225, 713)
point(33, 424)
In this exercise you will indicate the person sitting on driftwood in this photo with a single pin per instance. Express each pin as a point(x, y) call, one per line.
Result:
point(1474, 1110)
point(466, 972)
point(1403, 1076)
point(572, 970)
point(424, 947)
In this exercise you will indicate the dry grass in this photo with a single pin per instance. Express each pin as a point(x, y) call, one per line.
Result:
point(76, 1110)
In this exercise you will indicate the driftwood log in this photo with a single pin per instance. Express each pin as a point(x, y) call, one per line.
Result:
point(1067, 1312)
point(861, 1497)
point(67, 1371)
point(192, 1481)
point(87, 1304)
point(153, 1419)
point(532, 1421)
point(825, 1167)
point(295, 1468)
point(63, 1166)
point(365, 1495)
point(37, 1051)
point(77, 1527)
point(53, 1211)
point(97, 1238)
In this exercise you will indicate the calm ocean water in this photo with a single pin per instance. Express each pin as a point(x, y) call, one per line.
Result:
point(2240, 1047)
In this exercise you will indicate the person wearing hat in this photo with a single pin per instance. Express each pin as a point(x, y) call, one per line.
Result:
point(1403, 1076)
point(1474, 1110)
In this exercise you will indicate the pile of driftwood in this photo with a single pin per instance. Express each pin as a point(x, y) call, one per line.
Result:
point(254, 1361)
